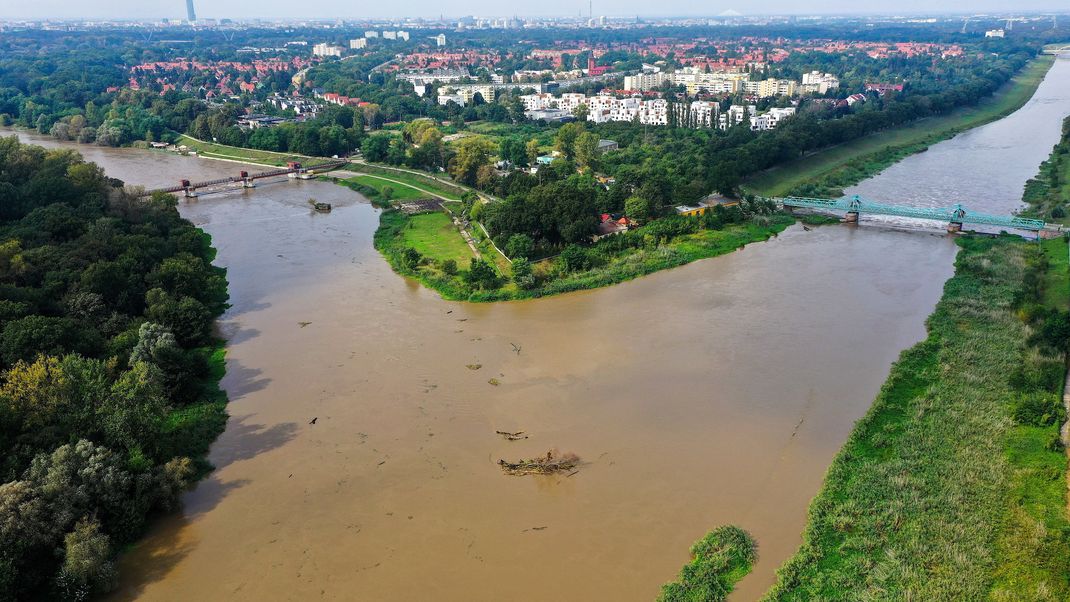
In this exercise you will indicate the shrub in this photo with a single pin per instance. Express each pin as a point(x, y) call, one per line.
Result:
point(718, 561)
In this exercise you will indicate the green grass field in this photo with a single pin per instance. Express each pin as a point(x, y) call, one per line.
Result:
point(862, 158)
point(433, 235)
point(212, 150)
point(410, 178)
point(953, 486)
point(400, 192)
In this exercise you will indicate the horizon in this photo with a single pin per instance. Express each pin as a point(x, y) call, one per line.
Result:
point(320, 10)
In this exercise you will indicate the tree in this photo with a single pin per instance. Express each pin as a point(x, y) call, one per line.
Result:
point(574, 259)
point(87, 566)
point(512, 150)
point(637, 208)
point(565, 140)
point(523, 274)
point(580, 112)
point(375, 148)
point(519, 246)
point(473, 152)
point(480, 275)
point(532, 150)
point(410, 258)
point(586, 150)
point(449, 267)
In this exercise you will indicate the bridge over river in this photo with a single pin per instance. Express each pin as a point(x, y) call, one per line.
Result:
point(955, 216)
point(246, 179)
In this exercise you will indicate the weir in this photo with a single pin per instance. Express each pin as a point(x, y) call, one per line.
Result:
point(293, 169)
point(955, 216)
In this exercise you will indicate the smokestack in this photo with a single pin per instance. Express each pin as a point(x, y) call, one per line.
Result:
point(191, 15)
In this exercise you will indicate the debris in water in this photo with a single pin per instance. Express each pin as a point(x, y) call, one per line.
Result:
point(512, 436)
point(494, 382)
point(318, 206)
point(303, 324)
point(314, 419)
point(542, 465)
point(473, 366)
point(516, 348)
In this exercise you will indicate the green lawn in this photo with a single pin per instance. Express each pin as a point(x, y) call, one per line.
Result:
point(212, 150)
point(853, 161)
point(410, 178)
point(433, 235)
point(400, 192)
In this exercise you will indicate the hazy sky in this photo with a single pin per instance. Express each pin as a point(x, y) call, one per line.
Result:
point(136, 9)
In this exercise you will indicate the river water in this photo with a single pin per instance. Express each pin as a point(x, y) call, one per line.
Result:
point(715, 393)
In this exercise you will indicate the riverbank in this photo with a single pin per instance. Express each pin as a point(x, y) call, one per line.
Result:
point(953, 486)
point(1048, 193)
point(825, 172)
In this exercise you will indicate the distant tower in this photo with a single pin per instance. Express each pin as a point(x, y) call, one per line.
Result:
point(191, 15)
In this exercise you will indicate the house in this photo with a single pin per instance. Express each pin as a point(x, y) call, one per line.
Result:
point(612, 224)
point(544, 160)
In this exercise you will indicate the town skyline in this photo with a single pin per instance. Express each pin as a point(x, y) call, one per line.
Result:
point(324, 10)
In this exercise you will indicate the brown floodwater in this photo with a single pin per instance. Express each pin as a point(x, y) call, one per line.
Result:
point(715, 393)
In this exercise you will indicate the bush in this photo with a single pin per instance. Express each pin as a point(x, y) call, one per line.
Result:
point(449, 267)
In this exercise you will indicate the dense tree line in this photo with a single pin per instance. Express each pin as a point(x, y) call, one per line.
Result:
point(106, 310)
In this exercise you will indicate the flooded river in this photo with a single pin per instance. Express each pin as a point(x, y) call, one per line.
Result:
point(716, 393)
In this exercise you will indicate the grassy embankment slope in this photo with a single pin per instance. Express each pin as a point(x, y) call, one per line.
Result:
point(953, 486)
point(211, 150)
point(1048, 193)
point(826, 171)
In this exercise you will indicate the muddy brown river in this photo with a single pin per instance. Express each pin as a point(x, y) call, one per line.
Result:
point(715, 393)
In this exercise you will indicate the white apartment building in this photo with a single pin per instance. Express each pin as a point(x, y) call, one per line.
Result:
point(570, 101)
point(537, 102)
point(995, 33)
point(440, 39)
point(447, 98)
point(403, 35)
point(816, 82)
point(770, 120)
point(735, 115)
point(371, 34)
point(326, 49)
point(358, 43)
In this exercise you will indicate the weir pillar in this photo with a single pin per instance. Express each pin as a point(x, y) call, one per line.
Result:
point(954, 227)
point(851, 217)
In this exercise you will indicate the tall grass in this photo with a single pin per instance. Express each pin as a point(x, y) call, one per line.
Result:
point(718, 561)
point(942, 492)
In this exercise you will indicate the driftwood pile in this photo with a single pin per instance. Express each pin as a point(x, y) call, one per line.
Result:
point(552, 463)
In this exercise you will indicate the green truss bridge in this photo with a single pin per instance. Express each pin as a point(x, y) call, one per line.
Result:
point(955, 216)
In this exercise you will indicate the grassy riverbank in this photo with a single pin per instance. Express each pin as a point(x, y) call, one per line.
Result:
point(953, 486)
point(1048, 193)
point(642, 251)
point(829, 170)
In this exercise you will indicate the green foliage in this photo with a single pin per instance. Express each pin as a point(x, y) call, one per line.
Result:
point(718, 560)
point(105, 302)
point(481, 275)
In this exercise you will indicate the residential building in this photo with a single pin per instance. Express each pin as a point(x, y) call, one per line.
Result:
point(390, 35)
point(816, 82)
point(995, 33)
point(371, 34)
point(326, 49)
point(440, 39)
point(358, 43)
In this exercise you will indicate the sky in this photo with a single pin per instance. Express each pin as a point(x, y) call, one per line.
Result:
point(349, 9)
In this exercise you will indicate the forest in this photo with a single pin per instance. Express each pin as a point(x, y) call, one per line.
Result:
point(108, 368)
